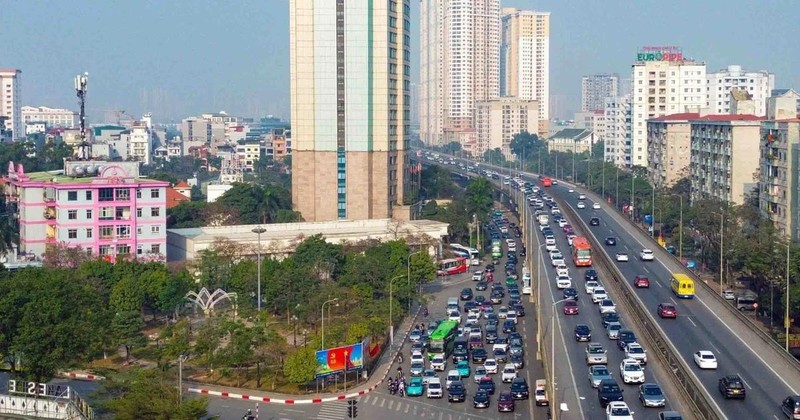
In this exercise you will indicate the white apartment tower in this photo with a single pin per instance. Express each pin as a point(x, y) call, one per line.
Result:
point(525, 59)
point(617, 139)
point(10, 105)
point(596, 88)
point(54, 117)
point(664, 82)
point(459, 66)
point(759, 84)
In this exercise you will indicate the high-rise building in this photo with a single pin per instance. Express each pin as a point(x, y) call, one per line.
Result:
point(669, 148)
point(759, 84)
point(525, 59)
point(779, 167)
point(54, 117)
point(617, 139)
point(596, 88)
point(350, 94)
point(459, 67)
point(10, 105)
point(498, 121)
point(663, 82)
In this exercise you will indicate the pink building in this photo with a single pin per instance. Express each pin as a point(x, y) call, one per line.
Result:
point(104, 207)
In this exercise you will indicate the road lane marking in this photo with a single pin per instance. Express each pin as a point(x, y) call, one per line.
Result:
point(673, 300)
point(391, 404)
point(690, 320)
point(294, 411)
point(715, 347)
point(745, 382)
point(383, 401)
point(646, 269)
point(659, 284)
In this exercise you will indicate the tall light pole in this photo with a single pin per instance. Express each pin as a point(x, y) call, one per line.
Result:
point(616, 196)
point(391, 313)
point(653, 210)
point(322, 311)
point(258, 231)
point(553, 347)
point(786, 321)
point(408, 277)
point(539, 300)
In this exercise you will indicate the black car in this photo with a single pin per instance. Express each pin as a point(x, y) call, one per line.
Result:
point(486, 384)
point(509, 326)
point(590, 275)
point(519, 389)
point(583, 333)
point(517, 360)
point(481, 399)
point(456, 392)
point(523, 252)
point(570, 293)
point(480, 298)
point(732, 386)
point(625, 337)
point(470, 305)
point(505, 403)
point(611, 241)
point(478, 355)
point(466, 294)
point(594, 221)
point(489, 268)
point(609, 317)
point(608, 391)
point(519, 309)
point(481, 286)
point(491, 334)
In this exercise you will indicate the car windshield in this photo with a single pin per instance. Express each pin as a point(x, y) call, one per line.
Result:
point(651, 390)
point(600, 371)
point(734, 384)
point(635, 350)
point(610, 388)
point(434, 385)
point(621, 411)
point(708, 356)
point(632, 367)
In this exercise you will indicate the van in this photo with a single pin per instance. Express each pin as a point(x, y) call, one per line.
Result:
point(682, 285)
point(541, 392)
point(747, 301)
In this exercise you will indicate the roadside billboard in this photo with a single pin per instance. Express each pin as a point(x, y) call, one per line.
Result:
point(340, 358)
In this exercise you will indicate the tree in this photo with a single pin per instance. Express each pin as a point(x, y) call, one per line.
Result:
point(494, 157)
point(127, 328)
point(437, 183)
point(478, 198)
point(524, 145)
point(9, 231)
point(451, 148)
point(64, 256)
point(301, 365)
point(149, 396)
point(324, 259)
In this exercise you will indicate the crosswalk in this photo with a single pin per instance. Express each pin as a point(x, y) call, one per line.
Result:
point(336, 410)
point(413, 408)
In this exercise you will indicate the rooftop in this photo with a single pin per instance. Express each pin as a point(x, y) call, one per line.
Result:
point(685, 116)
point(572, 133)
point(734, 117)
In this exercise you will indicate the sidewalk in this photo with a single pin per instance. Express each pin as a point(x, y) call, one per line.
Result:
point(380, 372)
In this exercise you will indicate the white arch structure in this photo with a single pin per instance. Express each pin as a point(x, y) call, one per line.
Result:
point(207, 301)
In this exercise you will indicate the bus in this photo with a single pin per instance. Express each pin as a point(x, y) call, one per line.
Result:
point(452, 266)
point(682, 285)
point(440, 343)
point(547, 181)
point(497, 249)
point(465, 251)
point(527, 287)
point(581, 252)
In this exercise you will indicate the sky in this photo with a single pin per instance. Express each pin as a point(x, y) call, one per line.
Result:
point(179, 58)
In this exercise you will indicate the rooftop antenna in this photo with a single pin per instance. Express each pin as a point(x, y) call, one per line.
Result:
point(81, 85)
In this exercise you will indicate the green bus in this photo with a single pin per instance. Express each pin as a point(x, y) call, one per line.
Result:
point(497, 249)
point(440, 343)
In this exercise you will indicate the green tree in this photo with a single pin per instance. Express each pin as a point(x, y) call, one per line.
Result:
point(451, 148)
point(127, 328)
point(301, 365)
point(478, 198)
point(525, 145)
point(322, 258)
point(149, 396)
point(437, 183)
point(494, 157)
point(9, 231)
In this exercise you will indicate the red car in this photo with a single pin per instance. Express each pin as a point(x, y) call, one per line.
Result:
point(566, 228)
point(641, 281)
point(667, 310)
point(570, 307)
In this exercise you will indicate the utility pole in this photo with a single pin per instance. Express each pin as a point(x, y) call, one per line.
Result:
point(81, 86)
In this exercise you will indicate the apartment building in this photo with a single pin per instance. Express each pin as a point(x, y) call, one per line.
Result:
point(758, 84)
point(617, 140)
point(499, 120)
point(459, 67)
point(103, 207)
point(596, 88)
point(139, 142)
point(525, 59)
point(574, 140)
point(663, 82)
point(249, 152)
point(669, 148)
point(10, 101)
point(724, 164)
point(54, 117)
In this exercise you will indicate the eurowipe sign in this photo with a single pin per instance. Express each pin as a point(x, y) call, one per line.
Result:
point(659, 54)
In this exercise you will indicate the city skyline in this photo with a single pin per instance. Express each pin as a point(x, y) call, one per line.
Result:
point(155, 62)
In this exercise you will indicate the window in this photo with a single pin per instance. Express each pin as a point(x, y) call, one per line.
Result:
point(72, 196)
point(139, 212)
point(139, 250)
point(89, 233)
point(72, 233)
point(106, 194)
point(88, 214)
point(155, 211)
point(89, 195)
point(123, 194)
point(138, 193)
point(123, 249)
point(155, 193)
point(123, 231)
point(105, 250)
point(106, 213)
point(155, 248)
point(106, 232)
point(72, 214)
point(155, 229)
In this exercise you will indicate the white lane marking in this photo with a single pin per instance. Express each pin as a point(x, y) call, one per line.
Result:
point(715, 347)
point(673, 300)
point(745, 382)
point(293, 411)
point(391, 404)
point(383, 401)
point(659, 284)
point(690, 320)
point(646, 269)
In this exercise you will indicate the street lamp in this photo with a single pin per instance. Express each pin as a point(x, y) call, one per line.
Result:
point(786, 323)
point(553, 346)
point(680, 228)
point(391, 299)
point(721, 246)
point(408, 277)
point(258, 231)
point(322, 310)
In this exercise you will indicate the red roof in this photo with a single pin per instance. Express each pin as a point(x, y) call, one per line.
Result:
point(181, 184)
point(174, 198)
point(742, 117)
point(678, 117)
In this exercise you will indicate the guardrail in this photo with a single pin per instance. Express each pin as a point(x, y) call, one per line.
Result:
point(677, 369)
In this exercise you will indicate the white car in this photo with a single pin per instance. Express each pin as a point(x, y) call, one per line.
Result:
point(562, 270)
point(500, 345)
point(622, 257)
point(439, 364)
point(512, 315)
point(596, 206)
point(551, 247)
point(562, 223)
point(570, 238)
point(618, 410)
point(417, 357)
point(599, 294)
point(502, 313)
point(581, 197)
point(556, 259)
point(490, 365)
point(590, 286)
point(550, 240)
point(705, 359)
point(631, 371)
point(435, 388)
point(509, 373)
point(729, 295)
point(454, 316)
point(647, 255)
point(477, 276)
point(596, 354)
point(476, 332)
point(581, 205)
point(563, 282)
point(571, 190)
point(636, 352)
point(452, 376)
point(607, 305)
point(480, 373)
point(473, 316)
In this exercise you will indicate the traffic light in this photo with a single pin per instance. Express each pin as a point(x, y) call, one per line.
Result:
point(352, 409)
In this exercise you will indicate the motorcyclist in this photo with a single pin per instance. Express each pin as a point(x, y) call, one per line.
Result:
point(425, 312)
point(400, 358)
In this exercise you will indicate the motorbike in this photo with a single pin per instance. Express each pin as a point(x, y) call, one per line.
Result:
point(425, 312)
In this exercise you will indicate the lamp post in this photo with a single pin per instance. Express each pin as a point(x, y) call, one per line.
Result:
point(408, 277)
point(553, 347)
point(786, 323)
point(539, 300)
point(391, 301)
point(258, 231)
point(322, 310)
point(653, 210)
point(680, 229)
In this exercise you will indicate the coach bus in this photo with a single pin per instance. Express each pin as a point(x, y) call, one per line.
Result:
point(581, 252)
point(452, 266)
point(465, 251)
point(440, 343)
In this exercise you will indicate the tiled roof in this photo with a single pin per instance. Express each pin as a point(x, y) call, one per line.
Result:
point(571, 133)
point(742, 117)
point(181, 184)
point(175, 198)
point(677, 117)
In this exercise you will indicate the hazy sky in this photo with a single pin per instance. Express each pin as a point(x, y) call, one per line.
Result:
point(178, 58)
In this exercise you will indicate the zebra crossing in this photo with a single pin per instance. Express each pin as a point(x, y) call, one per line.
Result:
point(377, 405)
point(336, 410)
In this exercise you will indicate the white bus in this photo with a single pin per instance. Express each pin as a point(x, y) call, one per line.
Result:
point(466, 252)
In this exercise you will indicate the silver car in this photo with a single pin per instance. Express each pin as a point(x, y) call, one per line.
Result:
point(651, 396)
point(417, 368)
point(613, 330)
point(597, 373)
point(596, 354)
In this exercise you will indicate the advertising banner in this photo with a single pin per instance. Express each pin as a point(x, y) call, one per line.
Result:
point(340, 358)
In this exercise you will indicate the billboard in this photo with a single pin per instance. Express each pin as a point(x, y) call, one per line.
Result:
point(340, 358)
point(666, 53)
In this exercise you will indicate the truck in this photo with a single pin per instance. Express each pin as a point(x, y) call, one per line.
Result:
point(543, 219)
point(541, 392)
